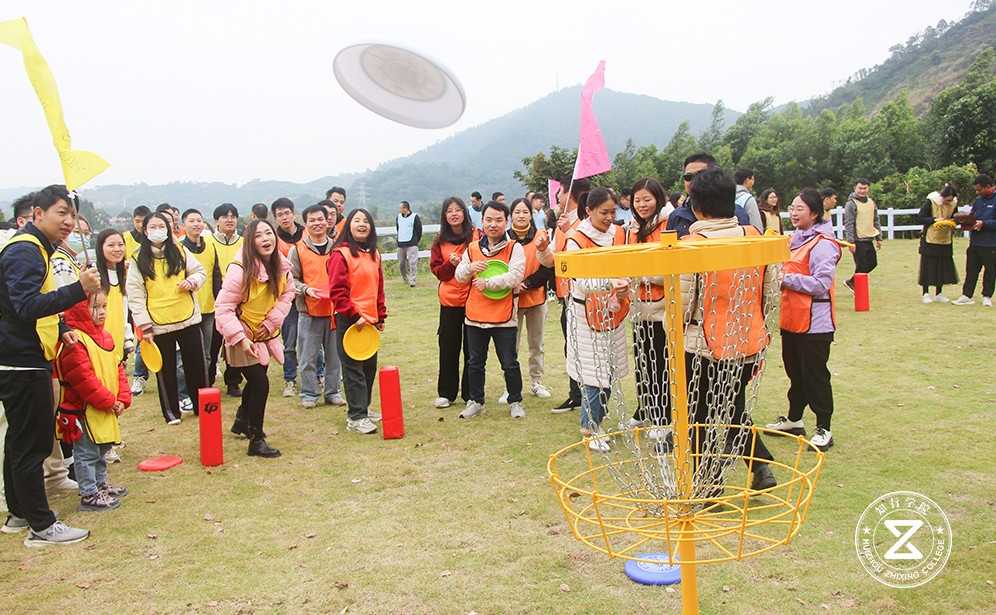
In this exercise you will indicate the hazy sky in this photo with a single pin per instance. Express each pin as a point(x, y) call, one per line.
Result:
point(231, 91)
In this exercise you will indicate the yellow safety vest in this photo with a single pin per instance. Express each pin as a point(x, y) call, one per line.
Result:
point(60, 255)
point(131, 245)
point(226, 252)
point(101, 426)
point(166, 303)
point(46, 326)
point(115, 323)
point(253, 311)
point(207, 257)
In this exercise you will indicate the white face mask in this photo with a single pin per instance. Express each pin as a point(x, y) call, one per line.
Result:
point(158, 235)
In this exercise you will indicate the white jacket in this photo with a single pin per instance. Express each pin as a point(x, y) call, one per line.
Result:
point(512, 279)
point(593, 358)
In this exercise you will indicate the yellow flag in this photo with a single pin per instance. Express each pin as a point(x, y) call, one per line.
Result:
point(78, 166)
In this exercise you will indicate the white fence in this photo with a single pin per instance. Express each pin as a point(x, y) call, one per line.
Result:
point(889, 227)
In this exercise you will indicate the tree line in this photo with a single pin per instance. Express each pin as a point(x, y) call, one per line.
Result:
point(904, 155)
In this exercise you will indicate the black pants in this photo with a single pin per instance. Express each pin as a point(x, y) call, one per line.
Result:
point(805, 357)
point(702, 412)
point(192, 352)
point(452, 342)
point(653, 395)
point(575, 390)
point(357, 376)
point(253, 405)
point(478, 340)
point(978, 258)
point(865, 257)
point(27, 401)
point(233, 375)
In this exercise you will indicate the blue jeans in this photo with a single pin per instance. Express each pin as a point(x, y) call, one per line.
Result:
point(141, 371)
point(89, 464)
point(315, 337)
point(288, 331)
point(593, 406)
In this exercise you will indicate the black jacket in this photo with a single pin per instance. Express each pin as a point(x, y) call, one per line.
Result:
point(22, 303)
point(682, 218)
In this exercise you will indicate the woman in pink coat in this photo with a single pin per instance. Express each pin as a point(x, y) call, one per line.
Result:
point(255, 297)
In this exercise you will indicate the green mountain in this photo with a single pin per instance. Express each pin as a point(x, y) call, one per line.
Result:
point(484, 157)
point(479, 158)
point(925, 64)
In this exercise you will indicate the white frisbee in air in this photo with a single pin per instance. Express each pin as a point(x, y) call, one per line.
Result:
point(400, 84)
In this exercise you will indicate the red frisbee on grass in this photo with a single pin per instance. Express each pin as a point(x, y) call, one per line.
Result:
point(160, 463)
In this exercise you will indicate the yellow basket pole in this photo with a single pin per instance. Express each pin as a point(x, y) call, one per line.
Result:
point(674, 314)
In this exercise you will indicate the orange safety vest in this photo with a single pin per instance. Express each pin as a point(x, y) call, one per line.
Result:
point(364, 280)
point(481, 308)
point(649, 292)
point(284, 247)
point(315, 273)
point(563, 285)
point(452, 293)
point(717, 285)
point(797, 308)
point(596, 303)
point(533, 296)
point(339, 226)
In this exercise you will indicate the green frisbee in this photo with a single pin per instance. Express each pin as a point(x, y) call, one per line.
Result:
point(495, 268)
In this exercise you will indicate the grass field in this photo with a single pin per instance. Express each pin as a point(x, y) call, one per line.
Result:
point(458, 516)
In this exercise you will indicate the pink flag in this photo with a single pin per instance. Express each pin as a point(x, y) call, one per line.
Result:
point(552, 189)
point(593, 157)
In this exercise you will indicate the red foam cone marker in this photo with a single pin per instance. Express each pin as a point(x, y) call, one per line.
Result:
point(392, 414)
point(862, 300)
point(209, 415)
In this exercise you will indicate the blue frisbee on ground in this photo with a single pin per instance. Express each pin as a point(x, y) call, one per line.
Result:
point(647, 573)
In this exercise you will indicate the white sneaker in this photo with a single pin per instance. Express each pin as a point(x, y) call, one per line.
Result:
point(473, 409)
point(137, 385)
point(540, 391)
point(112, 456)
point(186, 405)
point(290, 388)
point(598, 441)
point(364, 426)
point(374, 416)
point(442, 402)
point(504, 398)
point(794, 428)
point(336, 400)
point(14, 525)
point(516, 411)
point(173, 422)
point(987, 301)
point(940, 299)
point(309, 403)
point(926, 299)
point(963, 300)
point(66, 484)
point(56, 534)
point(632, 423)
point(822, 439)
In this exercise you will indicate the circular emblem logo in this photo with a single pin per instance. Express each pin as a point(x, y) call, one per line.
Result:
point(903, 539)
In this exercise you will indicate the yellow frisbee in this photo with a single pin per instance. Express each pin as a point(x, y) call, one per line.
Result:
point(361, 341)
point(151, 356)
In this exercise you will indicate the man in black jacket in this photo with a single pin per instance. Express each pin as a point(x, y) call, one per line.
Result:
point(682, 218)
point(29, 331)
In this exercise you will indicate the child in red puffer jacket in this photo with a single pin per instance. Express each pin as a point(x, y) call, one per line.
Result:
point(94, 394)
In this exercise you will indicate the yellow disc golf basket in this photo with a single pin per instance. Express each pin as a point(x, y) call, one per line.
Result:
point(661, 472)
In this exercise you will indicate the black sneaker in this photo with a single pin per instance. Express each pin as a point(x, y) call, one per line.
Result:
point(566, 406)
point(115, 491)
point(849, 283)
point(98, 502)
point(239, 427)
point(763, 478)
point(259, 448)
